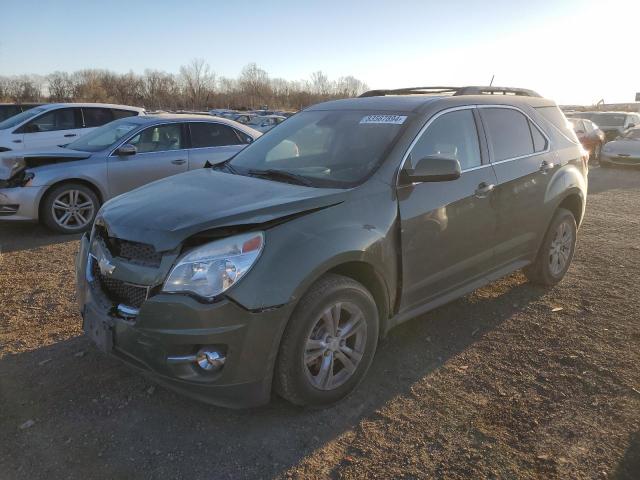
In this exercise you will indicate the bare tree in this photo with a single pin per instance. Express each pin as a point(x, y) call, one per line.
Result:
point(254, 83)
point(60, 87)
point(199, 82)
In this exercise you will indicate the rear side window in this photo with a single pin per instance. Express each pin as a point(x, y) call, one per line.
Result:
point(118, 114)
point(557, 118)
point(213, 135)
point(539, 142)
point(509, 133)
point(96, 117)
point(452, 135)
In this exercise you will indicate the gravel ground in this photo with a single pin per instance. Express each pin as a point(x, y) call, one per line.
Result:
point(512, 381)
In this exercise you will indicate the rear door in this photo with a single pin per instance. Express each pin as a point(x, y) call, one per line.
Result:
point(161, 152)
point(55, 127)
point(214, 143)
point(447, 228)
point(521, 158)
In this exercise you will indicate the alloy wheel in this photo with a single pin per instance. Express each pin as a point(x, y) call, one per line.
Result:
point(335, 346)
point(72, 209)
point(560, 251)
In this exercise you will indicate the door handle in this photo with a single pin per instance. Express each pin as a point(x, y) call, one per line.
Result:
point(17, 141)
point(71, 135)
point(484, 189)
point(179, 161)
point(546, 166)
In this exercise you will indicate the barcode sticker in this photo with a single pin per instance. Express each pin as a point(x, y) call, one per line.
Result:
point(392, 119)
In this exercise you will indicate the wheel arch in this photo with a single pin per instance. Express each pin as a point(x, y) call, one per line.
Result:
point(94, 188)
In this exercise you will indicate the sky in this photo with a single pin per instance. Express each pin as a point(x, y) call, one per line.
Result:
point(575, 52)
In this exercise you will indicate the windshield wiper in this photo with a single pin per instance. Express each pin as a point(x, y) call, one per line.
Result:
point(281, 175)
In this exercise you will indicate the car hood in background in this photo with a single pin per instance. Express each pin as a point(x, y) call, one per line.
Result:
point(623, 147)
point(13, 162)
point(166, 212)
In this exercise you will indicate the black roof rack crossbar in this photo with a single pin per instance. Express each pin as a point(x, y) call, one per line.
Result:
point(454, 91)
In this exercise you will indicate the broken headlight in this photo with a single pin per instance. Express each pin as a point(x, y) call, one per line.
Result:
point(211, 269)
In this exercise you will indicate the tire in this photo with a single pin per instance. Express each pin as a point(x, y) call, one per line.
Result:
point(73, 203)
point(548, 269)
point(309, 349)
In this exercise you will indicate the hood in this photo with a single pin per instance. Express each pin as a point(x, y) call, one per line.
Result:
point(13, 162)
point(623, 147)
point(167, 212)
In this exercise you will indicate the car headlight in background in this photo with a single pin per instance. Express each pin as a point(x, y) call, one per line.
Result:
point(211, 269)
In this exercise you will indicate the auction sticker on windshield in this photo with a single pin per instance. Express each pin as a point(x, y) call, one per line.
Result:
point(392, 119)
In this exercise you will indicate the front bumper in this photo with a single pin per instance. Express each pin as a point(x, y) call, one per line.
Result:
point(617, 160)
point(20, 203)
point(174, 325)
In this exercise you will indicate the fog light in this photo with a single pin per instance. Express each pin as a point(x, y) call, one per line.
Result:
point(210, 360)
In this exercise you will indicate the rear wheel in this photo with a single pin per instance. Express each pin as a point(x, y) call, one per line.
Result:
point(69, 208)
point(556, 252)
point(329, 343)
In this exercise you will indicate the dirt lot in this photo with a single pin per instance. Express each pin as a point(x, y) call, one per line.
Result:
point(513, 381)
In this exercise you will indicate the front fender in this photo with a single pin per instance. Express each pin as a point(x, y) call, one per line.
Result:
point(297, 253)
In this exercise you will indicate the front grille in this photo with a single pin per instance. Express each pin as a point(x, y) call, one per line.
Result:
point(119, 291)
point(141, 254)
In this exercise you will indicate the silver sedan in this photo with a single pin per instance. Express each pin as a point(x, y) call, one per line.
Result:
point(63, 187)
point(625, 150)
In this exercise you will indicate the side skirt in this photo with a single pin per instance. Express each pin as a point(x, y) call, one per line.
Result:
point(402, 317)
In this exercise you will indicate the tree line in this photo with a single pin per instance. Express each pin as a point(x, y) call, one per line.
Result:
point(195, 87)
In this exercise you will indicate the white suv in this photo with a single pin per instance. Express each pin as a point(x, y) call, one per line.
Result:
point(58, 124)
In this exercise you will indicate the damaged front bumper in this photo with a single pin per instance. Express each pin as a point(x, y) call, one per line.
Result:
point(20, 203)
point(170, 326)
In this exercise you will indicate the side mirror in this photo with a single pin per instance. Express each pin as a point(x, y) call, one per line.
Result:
point(126, 150)
point(431, 169)
point(631, 125)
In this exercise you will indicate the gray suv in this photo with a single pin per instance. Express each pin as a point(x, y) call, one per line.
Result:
point(284, 266)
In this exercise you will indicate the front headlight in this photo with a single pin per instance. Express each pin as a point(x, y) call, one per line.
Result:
point(211, 269)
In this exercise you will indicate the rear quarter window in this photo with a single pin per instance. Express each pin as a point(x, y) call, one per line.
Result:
point(555, 116)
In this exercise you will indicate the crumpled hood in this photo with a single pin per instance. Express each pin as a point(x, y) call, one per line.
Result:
point(624, 147)
point(13, 162)
point(166, 212)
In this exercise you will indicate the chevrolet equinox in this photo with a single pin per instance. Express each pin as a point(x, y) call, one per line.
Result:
point(283, 266)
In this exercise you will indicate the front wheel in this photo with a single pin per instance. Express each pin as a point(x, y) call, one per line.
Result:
point(556, 252)
point(329, 343)
point(69, 208)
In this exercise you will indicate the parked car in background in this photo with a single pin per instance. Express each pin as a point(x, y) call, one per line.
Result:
point(56, 124)
point(625, 150)
point(10, 109)
point(64, 187)
point(266, 122)
point(590, 136)
point(283, 267)
point(244, 118)
point(612, 124)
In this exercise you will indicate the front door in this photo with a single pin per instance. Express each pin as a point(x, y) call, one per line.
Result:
point(160, 153)
point(447, 228)
point(56, 127)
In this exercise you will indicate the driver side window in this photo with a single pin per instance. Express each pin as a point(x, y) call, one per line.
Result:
point(160, 138)
point(60, 119)
point(452, 135)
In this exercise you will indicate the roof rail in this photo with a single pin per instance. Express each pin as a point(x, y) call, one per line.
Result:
point(454, 91)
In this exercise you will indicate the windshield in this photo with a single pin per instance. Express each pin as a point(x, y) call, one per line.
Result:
point(608, 119)
point(21, 117)
point(328, 148)
point(103, 137)
point(256, 121)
